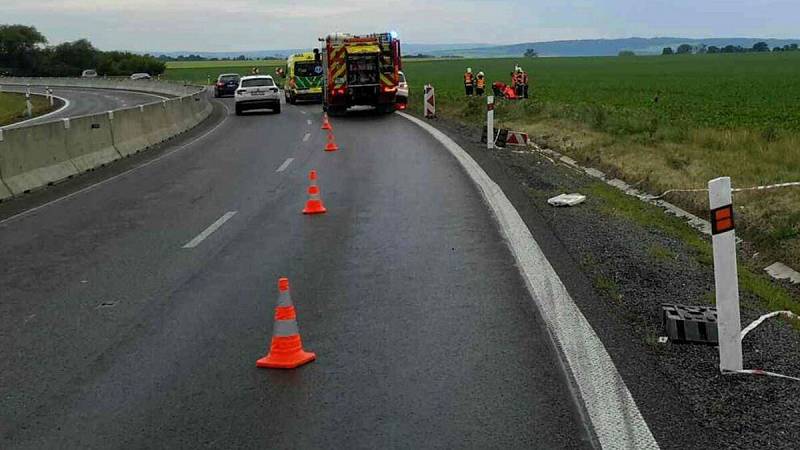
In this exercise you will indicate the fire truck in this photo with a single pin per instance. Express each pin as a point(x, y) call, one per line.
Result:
point(360, 70)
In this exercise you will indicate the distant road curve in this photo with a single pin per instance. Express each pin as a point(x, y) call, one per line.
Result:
point(85, 101)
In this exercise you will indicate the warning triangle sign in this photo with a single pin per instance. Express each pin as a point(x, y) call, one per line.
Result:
point(512, 139)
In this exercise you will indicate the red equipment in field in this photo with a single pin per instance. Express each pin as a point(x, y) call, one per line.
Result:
point(503, 90)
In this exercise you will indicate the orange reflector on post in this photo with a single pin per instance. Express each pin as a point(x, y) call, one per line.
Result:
point(722, 219)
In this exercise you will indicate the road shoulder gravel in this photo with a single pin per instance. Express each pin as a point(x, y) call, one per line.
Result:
point(620, 266)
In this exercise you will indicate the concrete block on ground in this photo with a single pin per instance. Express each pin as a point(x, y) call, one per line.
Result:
point(696, 324)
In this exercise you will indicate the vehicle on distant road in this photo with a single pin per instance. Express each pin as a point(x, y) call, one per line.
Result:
point(257, 92)
point(141, 76)
point(303, 78)
point(402, 91)
point(360, 70)
point(227, 83)
point(89, 73)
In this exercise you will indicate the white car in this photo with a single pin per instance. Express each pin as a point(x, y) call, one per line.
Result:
point(257, 92)
point(89, 73)
point(141, 76)
point(402, 89)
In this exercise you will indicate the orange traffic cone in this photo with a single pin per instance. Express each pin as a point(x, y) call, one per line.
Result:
point(286, 350)
point(314, 203)
point(331, 145)
point(326, 125)
point(312, 177)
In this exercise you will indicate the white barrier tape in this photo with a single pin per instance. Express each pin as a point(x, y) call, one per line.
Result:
point(752, 188)
point(761, 319)
point(771, 186)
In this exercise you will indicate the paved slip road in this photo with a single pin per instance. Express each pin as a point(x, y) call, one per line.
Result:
point(86, 101)
point(113, 335)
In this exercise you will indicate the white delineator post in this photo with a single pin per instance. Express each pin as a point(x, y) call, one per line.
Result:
point(28, 104)
point(430, 102)
point(490, 122)
point(726, 279)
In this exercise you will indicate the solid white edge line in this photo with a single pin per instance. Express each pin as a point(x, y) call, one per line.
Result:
point(285, 165)
point(117, 176)
point(19, 124)
point(211, 229)
point(614, 416)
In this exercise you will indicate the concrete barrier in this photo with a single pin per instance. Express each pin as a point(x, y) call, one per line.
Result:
point(90, 142)
point(31, 157)
point(37, 155)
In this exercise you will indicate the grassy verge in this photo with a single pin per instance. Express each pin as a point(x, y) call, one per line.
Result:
point(12, 107)
point(751, 278)
point(715, 116)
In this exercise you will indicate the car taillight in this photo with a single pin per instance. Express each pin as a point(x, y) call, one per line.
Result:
point(400, 106)
point(339, 91)
point(274, 89)
point(220, 84)
point(240, 92)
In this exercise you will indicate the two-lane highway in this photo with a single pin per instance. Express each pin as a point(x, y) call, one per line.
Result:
point(115, 332)
point(85, 101)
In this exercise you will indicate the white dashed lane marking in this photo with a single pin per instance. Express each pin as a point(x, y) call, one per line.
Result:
point(285, 165)
point(211, 229)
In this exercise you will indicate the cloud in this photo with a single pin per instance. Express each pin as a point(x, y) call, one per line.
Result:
point(228, 25)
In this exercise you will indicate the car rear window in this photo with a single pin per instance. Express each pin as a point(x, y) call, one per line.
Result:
point(229, 78)
point(258, 82)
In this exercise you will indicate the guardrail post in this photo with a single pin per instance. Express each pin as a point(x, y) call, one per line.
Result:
point(726, 279)
point(490, 122)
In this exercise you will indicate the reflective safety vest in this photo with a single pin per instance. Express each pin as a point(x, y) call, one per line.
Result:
point(468, 78)
point(481, 83)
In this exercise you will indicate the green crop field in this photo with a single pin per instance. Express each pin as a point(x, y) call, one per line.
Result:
point(718, 91)
point(12, 107)
point(200, 71)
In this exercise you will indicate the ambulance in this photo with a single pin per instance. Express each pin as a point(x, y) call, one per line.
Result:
point(303, 78)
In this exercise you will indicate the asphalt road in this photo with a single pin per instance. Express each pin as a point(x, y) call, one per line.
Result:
point(113, 335)
point(82, 102)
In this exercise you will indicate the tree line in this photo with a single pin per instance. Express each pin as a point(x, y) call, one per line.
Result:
point(24, 52)
point(687, 49)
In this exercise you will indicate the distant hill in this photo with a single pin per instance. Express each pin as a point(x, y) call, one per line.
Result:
point(583, 47)
point(603, 47)
point(407, 49)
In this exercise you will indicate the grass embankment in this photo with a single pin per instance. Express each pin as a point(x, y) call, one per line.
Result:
point(200, 71)
point(660, 123)
point(12, 107)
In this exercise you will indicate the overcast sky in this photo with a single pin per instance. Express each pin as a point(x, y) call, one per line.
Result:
point(230, 25)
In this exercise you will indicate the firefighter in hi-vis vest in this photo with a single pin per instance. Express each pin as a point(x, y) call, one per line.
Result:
point(480, 84)
point(469, 81)
point(518, 89)
point(524, 79)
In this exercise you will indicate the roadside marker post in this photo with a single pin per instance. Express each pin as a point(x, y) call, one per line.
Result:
point(726, 281)
point(28, 104)
point(490, 122)
point(429, 102)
